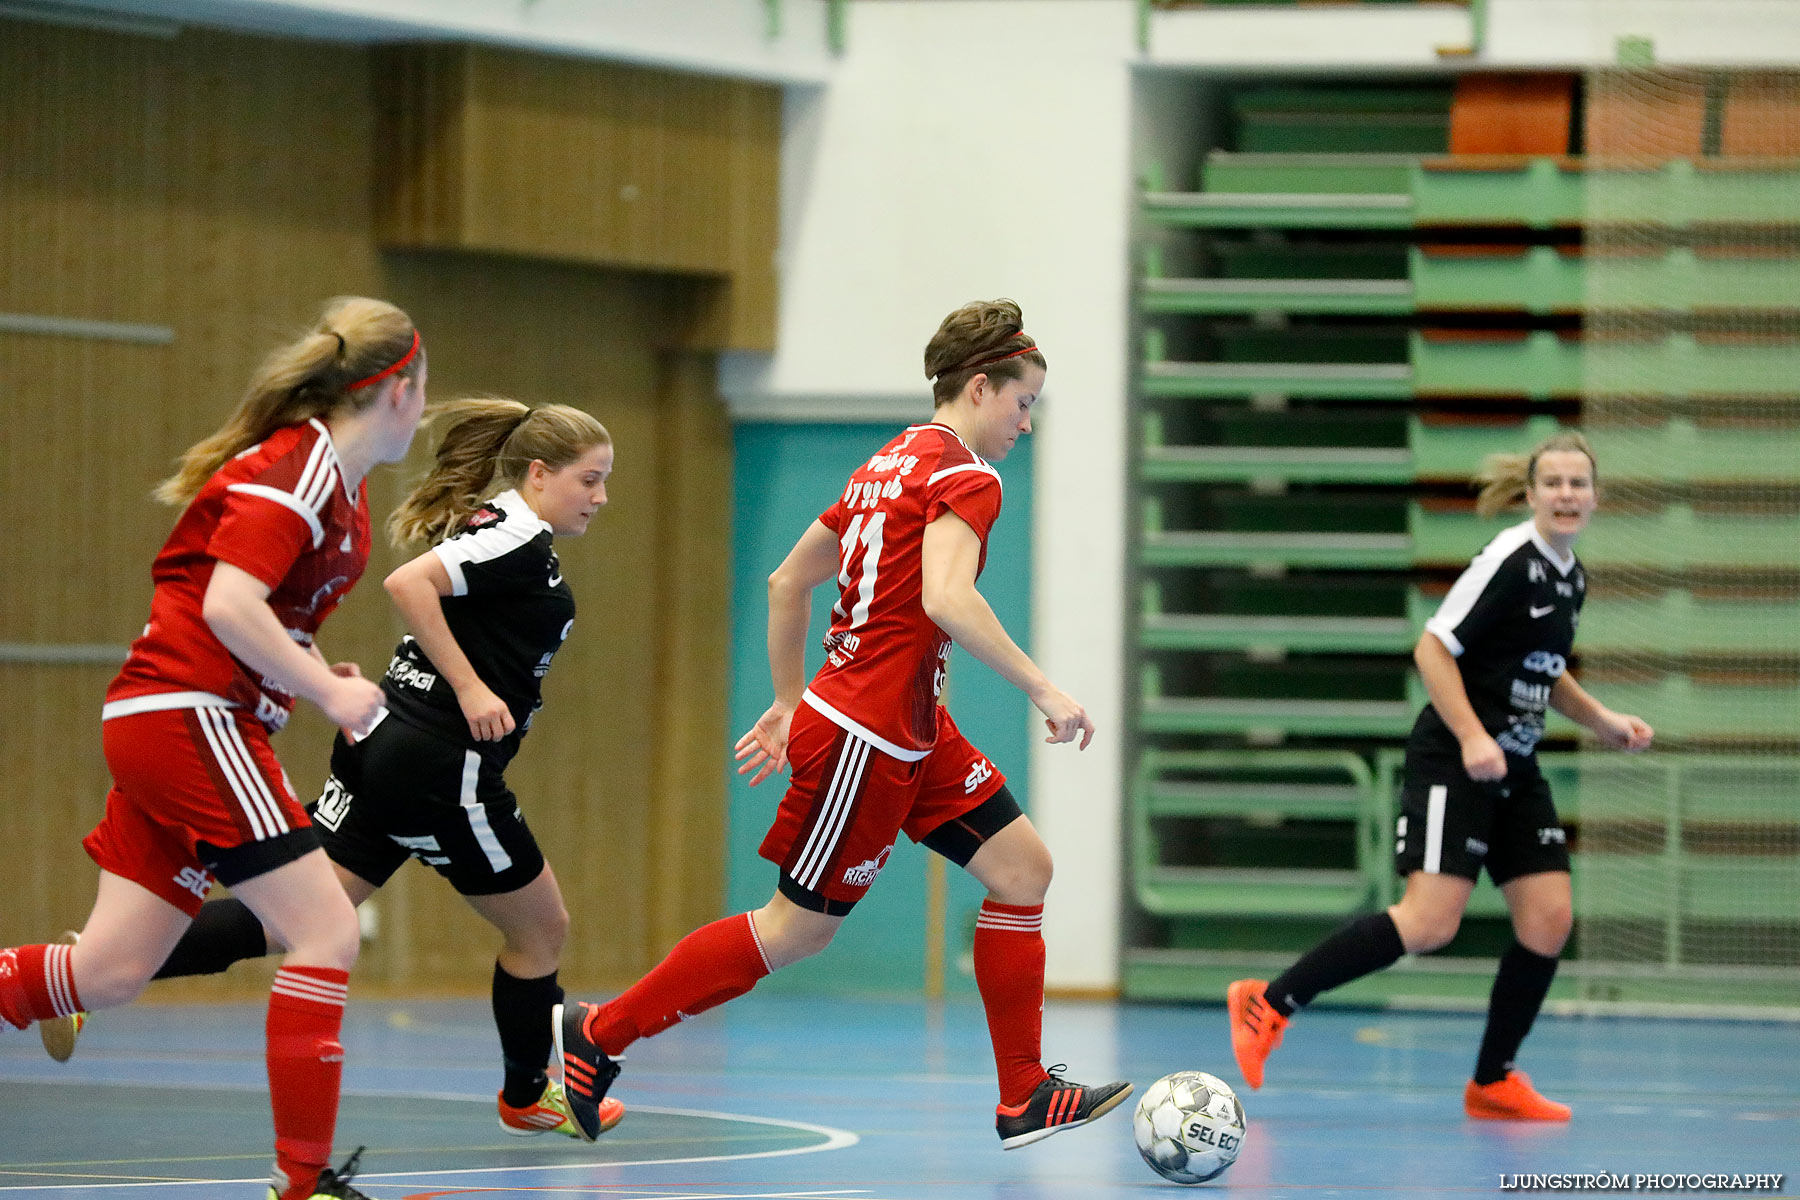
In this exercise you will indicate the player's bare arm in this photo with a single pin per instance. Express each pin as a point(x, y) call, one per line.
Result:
point(343, 670)
point(1482, 757)
point(951, 556)
point(236, 609)
point(813, 560)
point(417, 589)
point(1617, 731)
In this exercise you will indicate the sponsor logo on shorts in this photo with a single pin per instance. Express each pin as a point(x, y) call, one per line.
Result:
point(863, 873)
point(192, 879)
point(1475, 845)
point(333, 805)
point(425, 849)
point(1553, 835)
point(978, 774)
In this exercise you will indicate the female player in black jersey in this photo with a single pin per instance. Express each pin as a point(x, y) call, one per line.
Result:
point(488, 610)
point(1492, 658)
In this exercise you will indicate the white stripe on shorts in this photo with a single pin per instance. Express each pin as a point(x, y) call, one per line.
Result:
point(240, 771)
point(498, 858)
point(809, 868)
point(1434, 828)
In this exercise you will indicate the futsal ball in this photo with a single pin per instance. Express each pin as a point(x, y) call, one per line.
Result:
point(1189, 1126)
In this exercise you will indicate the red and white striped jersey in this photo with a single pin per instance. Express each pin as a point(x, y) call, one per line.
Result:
point(885, 659)
point(278, 510)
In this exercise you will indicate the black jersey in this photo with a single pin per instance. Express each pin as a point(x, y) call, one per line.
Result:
point(508, 609)
point(1510, 621)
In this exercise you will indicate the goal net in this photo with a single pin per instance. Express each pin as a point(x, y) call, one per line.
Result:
point(1687, 859)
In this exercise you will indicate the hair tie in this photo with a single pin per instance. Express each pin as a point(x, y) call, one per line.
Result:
point(979, 361)
point(378, 376)
point(342, 348)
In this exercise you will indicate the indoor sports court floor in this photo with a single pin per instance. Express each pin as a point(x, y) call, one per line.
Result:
point(777, 1096)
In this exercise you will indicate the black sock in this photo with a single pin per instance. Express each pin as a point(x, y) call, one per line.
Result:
point(1362, 947)
point(522, 1015)
point(224, 932)
point(1519, 990)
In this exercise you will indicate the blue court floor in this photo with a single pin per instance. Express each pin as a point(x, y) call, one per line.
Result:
point(837, 1099)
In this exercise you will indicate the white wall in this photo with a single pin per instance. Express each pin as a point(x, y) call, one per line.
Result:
point(1572, 33)
point(723, 37)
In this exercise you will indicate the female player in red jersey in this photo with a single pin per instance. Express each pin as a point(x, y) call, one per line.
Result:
point(274, 532)
point(1493, 657)
point(488, 609)
point(874, 753)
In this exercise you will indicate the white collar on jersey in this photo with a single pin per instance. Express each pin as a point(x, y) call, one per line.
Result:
point(331, 445)
point(514, 506)
point(951, 432)
point(1564, 565)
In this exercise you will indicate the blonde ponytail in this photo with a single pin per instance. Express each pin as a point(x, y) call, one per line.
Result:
point(1505, 478)
point(313, 376)
point(489, 444)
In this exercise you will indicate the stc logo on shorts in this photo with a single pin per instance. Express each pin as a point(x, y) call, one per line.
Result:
point(863, 873)
point(1546, 663)
point(979, 774)
point(191, 879)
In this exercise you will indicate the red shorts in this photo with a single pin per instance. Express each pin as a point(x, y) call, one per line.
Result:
point(197, 795)
point(847, 800)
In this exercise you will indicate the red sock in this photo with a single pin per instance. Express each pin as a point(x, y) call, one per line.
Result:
point(706, 968)
point(36, 983)
point(306, 1012)
point(1009, 971)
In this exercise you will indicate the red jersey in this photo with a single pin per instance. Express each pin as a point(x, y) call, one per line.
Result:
point(885, 659)
point(278, 510)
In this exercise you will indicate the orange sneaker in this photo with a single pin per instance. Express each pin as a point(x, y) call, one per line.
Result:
point(550, 1114)
point(1511, 1099)
point(1256, 1028)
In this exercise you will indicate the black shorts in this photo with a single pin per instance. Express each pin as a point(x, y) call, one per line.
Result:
point(402, 792)
point(1452, 825)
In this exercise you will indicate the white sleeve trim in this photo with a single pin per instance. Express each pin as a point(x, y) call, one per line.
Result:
point(971, 466)
point(1449, 639)
point(1471, 584)
point(485, 544)
point(286, 500)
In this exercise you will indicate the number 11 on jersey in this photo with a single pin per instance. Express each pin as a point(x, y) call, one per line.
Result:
point(869, 533)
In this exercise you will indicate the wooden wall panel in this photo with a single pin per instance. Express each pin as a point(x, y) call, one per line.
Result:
point(221, 186)
point(625, 167)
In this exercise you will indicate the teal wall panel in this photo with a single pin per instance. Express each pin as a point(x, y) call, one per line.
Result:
point(784, 476)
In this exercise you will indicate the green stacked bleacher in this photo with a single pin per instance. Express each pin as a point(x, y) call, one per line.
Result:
point(1352, 325)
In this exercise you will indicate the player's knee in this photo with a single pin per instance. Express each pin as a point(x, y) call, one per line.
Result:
point(1024, 879)
point(555, 932)
point(329, 943)
point(1423, 931)
point(114, 980)
point(787, 936)
point(1545, 930)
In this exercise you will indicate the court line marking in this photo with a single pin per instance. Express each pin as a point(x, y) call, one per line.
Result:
point(835, 1139)
point(648, 1193)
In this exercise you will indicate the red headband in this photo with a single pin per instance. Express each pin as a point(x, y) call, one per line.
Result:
point(988, 362)
point(382, 374)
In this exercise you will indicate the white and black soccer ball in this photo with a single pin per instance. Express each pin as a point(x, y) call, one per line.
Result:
point(1189, 1126)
